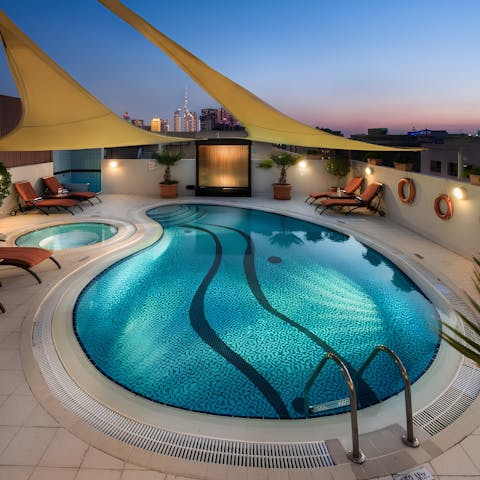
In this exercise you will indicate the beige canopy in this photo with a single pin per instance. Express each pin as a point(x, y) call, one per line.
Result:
point(58, 113)
point(263, 122)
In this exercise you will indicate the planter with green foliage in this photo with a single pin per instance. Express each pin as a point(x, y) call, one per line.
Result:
point(338, 167)
point(168, 188)
point(373, 158)
point(5, 183)
point(283, 161)
point(474, 175)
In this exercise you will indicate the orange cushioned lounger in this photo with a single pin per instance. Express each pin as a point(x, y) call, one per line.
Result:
point(26, 258)
point(365, 200)
point(55, 186)
point(33, 199)
point(353, 185)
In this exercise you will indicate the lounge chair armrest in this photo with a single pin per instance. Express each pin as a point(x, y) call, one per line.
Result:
point(357, 197)
point(37, 199)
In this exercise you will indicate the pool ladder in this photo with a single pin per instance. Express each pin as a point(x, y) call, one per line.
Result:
point(356, 455)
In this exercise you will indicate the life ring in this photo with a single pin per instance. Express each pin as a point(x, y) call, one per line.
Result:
point(448, 202)
point(411, 190)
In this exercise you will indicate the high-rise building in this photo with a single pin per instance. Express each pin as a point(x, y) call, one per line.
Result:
point(164, 125)
point(177, 120)
point(191, 122)
point(155, 125)
point(208, 119)
point(137, 122)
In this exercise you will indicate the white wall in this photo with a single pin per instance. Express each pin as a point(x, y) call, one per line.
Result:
point(461, 233)
point(31, 173)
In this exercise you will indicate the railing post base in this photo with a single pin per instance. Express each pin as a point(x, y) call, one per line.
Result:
point(360, 459)
point(414, 443)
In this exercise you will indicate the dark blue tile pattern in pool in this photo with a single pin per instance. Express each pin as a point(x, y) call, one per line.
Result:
point(205, 320)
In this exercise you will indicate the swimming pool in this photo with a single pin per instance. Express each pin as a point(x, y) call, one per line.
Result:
point(231, 311)
point(68, 235)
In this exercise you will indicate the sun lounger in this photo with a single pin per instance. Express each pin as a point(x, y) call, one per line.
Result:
point(353, 185)
point(26, 258)
point(365, 200)
point(54, 186)
point(32, 199)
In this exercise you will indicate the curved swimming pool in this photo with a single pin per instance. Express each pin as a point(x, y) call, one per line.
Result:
point(232, 310)
point(67, 235)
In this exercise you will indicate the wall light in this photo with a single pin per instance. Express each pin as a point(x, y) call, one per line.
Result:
point(460, 193)
point(368, 170)
point(302, 164)
point(113, 164)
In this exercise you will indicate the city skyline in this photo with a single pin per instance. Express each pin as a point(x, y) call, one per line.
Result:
point(349, 66)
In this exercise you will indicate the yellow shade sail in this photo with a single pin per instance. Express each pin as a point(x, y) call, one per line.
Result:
point(263, 122)
point(58, 113)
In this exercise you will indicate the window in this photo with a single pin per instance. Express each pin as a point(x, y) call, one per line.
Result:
point(435, 166)
point(452, 169)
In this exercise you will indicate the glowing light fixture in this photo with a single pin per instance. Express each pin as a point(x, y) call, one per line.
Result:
point(368, 170)
point(460, 193)
point(302, 164)
point(113, 164)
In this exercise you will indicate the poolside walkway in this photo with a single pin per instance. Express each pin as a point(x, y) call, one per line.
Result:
point(36, 446)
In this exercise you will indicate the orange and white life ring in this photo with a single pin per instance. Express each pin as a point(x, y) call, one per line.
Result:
point(448, 213)
point(406, 198)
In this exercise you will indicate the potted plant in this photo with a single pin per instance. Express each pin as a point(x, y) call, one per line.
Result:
point(401, 162)
point(168, 188)
point(474, 174)
point(282, 189)
point(5, 183)
point(373, 158)
point(338, 167)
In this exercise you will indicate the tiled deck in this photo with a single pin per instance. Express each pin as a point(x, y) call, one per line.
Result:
point(34, 445)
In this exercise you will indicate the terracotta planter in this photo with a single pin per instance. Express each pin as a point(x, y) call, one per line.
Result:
point(406, 167)
point(374, 161)
point(168, 190)
point(474, 179)
point(282, 192)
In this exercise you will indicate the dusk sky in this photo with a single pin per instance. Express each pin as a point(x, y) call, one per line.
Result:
point(343, 64)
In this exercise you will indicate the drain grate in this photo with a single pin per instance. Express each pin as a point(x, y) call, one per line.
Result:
point(157, 440)
point(463, 390)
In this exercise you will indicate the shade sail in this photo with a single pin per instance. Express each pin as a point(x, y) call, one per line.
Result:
point(263, 122)
point(58, 113)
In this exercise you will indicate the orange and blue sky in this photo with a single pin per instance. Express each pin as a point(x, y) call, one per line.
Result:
point(346, 64)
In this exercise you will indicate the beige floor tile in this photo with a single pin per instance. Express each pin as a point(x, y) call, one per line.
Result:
point(65, 450)
point(142, 475)
point(471, 445)
point(454, 462)
point(10, 341)
point(97, 459)
point(53, 473)
point(95, 474)
point(10, 380)
point(27, 446)
point(6, 436)
point(16, 409)
point(39, 417)
point(3, 398)
point(10, 360)
point(15, 473)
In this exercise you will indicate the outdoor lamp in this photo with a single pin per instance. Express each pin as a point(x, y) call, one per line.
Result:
point(368, 170)
point(113, 164)
point(460, 193)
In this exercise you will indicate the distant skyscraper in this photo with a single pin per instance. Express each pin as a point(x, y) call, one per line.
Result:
point(137, 122)
point(218, 119)
point(164, 125)
point(191, 122)
point(208, 119)
point(155, 125)
point(177, 120)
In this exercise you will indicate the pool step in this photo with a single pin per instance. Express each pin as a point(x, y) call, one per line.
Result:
point(176, 215)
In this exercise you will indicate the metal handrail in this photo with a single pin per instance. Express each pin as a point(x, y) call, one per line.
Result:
point(410, 438)
point(356, 455)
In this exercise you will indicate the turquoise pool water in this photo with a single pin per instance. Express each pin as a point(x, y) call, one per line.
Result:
point(69, 235)
point(231, 311)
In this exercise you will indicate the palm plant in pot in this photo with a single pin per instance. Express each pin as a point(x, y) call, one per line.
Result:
point(282, 189)
point(339, 167)
point(373, 158)
point(473, 173)
point(5, 183)
point(168, 188)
